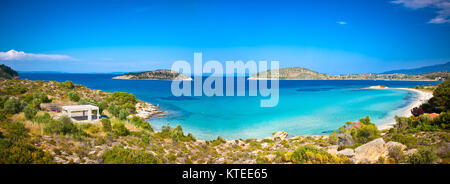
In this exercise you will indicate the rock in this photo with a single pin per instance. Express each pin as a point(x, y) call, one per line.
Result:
point(345, 140)
point(350, 153)
point(391, 145)
point(280, 136)
point(410, 152)
point(92, 152)
point(371, 151)
point(443, 149)
point(333, 149)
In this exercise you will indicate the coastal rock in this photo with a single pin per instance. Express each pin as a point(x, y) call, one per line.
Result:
point(146, 111)
point(333, 149)
point(371, 151)
point(350, 153)
point(280, 136)
point(391, 144)
point(345, 140)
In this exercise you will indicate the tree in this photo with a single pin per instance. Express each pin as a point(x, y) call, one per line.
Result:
point(440, 102)
point(29, 112)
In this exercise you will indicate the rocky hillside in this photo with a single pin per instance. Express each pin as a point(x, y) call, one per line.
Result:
point(154, 75)
point(299, 73)
point(423, 70)
point(7, 73)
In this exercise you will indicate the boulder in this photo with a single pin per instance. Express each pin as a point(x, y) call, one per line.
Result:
point(371, 151)
point(410, 152)
point(350, 153)
point(280, 136)
point(391, 144)
point(345, 140)
point(332, 149)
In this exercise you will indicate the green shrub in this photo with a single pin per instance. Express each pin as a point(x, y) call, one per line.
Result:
point(106, 124)
point(29, 112)
point(63, 125)
point(333, 138)
point(12, 106)
point(397, 154)
point(366, 133)
point(16, 130)
point(141, 123)
point(123, 114)
point(424, 155)
point(68, 85)
point(120, 155)
point(19, 152)
point(440, 102)
point(310, 154)
point(45, 118)
point(119, 129)
point(73, 96)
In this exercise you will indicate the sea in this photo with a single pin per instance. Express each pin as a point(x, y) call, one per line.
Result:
point(305, 107)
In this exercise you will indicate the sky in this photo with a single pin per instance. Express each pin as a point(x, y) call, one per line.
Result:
point(335, 37)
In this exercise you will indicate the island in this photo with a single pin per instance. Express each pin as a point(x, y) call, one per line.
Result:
point(300, 73)
point(154, 75)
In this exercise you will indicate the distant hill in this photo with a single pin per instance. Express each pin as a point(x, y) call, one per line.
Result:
point(422, 70)
point(7, 73)
point(154, 75)
point(299, 73)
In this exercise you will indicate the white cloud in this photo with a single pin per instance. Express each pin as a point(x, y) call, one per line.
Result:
point(341, 22)
point(442, 7)
point(20, 55)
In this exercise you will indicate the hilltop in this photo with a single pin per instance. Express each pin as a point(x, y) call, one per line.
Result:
point(7, 73)
point(154, 75)
point(299, 73)
point(422, 70)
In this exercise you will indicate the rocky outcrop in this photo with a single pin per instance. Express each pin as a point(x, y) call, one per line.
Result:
point(350, 153)
point(146, 111)
point(345, 140)
point(391, 145)
point(280, 136)
point(371, 151)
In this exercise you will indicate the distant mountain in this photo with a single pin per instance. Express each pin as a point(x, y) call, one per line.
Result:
point(299, 73)
point(422, 70)
point(154, 75)
point(7, 73)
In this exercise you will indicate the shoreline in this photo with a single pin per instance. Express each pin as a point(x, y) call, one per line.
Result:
point(422, 97)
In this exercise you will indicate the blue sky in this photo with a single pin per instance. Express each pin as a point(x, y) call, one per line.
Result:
point(346, 36)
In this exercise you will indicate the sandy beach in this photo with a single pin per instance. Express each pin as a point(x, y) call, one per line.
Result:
point(422, 97)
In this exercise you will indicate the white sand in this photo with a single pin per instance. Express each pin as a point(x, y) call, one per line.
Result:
point(422, 97)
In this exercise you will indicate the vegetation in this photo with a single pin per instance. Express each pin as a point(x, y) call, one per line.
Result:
point(120, 155)
point(440, 102)
point(7, 73)
point(154, 75)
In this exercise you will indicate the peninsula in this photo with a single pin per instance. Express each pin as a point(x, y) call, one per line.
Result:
point(154, 75)
point(299, 73)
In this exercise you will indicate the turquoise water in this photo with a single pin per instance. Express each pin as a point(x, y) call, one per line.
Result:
point(304, 108)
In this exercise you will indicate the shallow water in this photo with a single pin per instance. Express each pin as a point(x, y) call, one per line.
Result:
point(307, 107)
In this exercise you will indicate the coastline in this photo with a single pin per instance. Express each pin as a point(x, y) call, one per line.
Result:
point(422, 97)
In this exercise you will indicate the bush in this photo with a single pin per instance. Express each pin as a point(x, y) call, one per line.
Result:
point(397, 154)
point(443, 120)
point(106, 124)
point(440, 102)
point(175, 134)
point(19, 152)
point(12, 106)
point(63, 125)
point(333, 138)
point(141, 123)
point(68, 85)
point(43, 119)
point(123, 100)
point(73, 96)
point(29, 112)
point(367, 133)
point(120, 155)
point(123, 114)
point(119, 129)
point(310, 154)
point(16, 130)
point(417, 111)
point(423, 155)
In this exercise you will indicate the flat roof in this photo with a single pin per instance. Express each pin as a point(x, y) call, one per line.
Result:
point(79, 107)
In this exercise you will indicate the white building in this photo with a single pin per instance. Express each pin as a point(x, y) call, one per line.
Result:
point(82, 113)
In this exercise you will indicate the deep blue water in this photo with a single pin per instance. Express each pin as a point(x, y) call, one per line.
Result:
point(306, 107)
